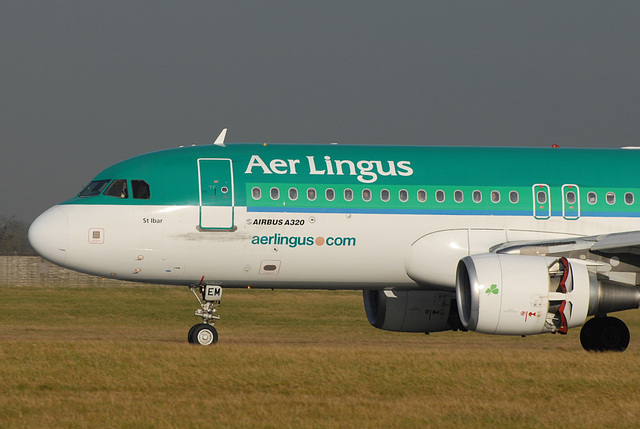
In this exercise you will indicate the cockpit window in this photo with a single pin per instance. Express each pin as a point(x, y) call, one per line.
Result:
point(118, 189)
point(140, 189)
point(94, 188)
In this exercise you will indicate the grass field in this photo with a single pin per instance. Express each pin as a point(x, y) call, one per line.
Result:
point(118, 357)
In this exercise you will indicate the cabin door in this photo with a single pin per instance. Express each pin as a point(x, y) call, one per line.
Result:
point(217, 201)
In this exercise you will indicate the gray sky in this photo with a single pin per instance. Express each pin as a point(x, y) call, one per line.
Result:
point(87, 84)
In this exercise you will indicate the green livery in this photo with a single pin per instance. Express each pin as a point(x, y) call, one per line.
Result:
point(398, 180)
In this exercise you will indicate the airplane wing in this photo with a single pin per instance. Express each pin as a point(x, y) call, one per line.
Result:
point(617, 253)
point(615, 243)
point(622, 242)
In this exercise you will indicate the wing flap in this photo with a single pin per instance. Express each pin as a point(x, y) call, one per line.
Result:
point(622, 242)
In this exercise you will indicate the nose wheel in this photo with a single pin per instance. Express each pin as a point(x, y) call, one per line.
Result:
point(209, 297)
point(203, 334)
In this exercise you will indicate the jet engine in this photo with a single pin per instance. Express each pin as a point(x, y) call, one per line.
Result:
point(408, 311)
point(523, 295)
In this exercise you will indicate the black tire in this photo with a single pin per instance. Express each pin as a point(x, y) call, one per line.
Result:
point(203, 334)
point(606, 334)
point(614, 335)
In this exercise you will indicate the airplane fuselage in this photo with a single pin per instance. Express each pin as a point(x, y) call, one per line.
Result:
point(189, 228)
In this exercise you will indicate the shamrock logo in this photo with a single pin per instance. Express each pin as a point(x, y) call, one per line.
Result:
point(492, 290)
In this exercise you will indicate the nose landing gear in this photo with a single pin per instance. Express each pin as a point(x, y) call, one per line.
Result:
point(204, 333)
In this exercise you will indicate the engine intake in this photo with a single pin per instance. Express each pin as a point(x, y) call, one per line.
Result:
point(518, 295)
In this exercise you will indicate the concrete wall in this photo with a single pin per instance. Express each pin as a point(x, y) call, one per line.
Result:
point(34, 271)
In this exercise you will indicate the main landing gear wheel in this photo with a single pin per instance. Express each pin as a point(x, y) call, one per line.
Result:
point(204, 333)
point(603, 334)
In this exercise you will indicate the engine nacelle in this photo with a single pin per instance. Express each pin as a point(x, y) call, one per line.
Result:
point(408, 311)
point(524, 295)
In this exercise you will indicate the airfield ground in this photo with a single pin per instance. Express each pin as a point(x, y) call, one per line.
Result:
point(118, 357)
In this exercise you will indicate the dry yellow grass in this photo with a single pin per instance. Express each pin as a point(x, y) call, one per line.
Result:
point(118, 357)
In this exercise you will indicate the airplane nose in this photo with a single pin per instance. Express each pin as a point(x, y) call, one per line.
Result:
point(48, 235)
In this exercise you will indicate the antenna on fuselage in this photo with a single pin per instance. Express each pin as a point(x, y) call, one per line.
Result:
point(220, 140)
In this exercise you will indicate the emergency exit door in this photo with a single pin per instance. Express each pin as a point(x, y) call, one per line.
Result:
point(541, 201)
point(215, 176)
point(570, 202)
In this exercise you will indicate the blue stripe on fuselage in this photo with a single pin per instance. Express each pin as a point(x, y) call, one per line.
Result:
point(427, 212)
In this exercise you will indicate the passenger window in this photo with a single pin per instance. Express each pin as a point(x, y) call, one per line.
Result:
point(330, 194)
point(439, 195)
point(458, 196)
point(422, 195)
point(611, 198)
point(348, 195)
point(311, 194)
point(477, 196)
point(140, 189)
point(571, 197)
point(541, 196)
point(404, 195)
point(366, 195)
point(256, 193)
point(293, 194)
point(592, 198)
point(628, 198)
point(94, 188)
point(275, 193)
point(514, 197)
point(118, 189)
point(385, 195)
point(495, 196)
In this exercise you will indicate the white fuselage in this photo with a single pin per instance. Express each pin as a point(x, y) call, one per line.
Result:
point(285, 250)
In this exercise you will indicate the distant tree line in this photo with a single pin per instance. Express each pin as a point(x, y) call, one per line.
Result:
point(13, 237)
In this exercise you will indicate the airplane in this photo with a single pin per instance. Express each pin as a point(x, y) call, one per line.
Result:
point(506, 241)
